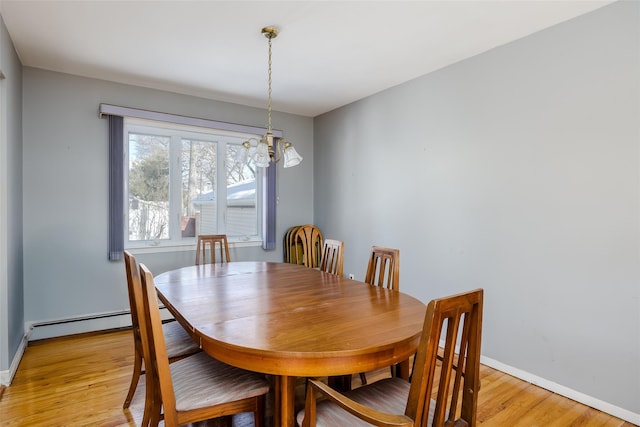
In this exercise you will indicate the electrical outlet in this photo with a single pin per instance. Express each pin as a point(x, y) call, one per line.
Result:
point(351, 276)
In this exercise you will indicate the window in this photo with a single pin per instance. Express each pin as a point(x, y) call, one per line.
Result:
point(181, 181)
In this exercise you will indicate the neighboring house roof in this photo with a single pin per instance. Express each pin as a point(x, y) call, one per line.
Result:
point(241, 194)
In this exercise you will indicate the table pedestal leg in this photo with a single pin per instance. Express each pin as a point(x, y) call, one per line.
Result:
point(284, 407)
point(340, 383)
point(402, 369)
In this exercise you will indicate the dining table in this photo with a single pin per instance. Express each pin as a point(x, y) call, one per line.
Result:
point(291, 321)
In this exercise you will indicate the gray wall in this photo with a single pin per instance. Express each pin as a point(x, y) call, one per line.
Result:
point(516, 171)
point(11, 286)
point(67, 273)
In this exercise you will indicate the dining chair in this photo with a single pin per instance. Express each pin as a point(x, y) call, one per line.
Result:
point(383, 268)
point(179, 342)
point(213, 241)
point(288, 244)
point(309, 238)
point(332, 260)
point(196, 388)
point(395, 402)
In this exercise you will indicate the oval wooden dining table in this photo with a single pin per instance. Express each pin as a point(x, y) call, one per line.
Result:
point(291, 321)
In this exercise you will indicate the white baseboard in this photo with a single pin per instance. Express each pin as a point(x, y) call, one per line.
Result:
point(598, 404)
point(7, 376)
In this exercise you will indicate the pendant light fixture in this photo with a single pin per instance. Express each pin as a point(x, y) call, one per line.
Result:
point(269, 149)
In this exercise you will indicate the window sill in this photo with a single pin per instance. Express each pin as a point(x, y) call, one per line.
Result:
point(175, 247)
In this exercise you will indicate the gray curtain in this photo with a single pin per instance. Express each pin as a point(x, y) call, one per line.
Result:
point(116, 188)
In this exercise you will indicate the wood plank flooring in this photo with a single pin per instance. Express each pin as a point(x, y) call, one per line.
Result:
point(82, 381)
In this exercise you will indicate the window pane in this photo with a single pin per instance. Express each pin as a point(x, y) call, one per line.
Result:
point(148, 187)
point(242, 218)
point(199, 207)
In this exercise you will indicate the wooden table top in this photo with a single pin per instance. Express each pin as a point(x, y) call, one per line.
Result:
point(289, 320)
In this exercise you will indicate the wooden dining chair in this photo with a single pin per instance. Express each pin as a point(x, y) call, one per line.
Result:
point(213, 241)
point(309, 238)
point(396, 402)
point(196, 388)
point(179, 342)
point(332, 260)
point(289, 245)
point(383, 268)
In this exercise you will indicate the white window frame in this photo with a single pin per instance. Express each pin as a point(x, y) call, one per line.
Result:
point(177, 132)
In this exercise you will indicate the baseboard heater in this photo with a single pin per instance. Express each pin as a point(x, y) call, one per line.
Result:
point(82, 324)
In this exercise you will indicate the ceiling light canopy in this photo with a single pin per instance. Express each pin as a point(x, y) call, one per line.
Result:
point(269, 149)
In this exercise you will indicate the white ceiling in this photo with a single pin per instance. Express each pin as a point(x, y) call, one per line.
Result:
point(328, 53)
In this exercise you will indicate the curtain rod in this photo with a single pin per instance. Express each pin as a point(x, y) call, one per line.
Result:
point(115, 110)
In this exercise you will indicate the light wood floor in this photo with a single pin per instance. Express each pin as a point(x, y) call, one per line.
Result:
point(82, 381)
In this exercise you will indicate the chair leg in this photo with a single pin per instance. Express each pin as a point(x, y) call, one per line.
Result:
point(363, 378)
point(152, 404)
point(258, 415)
point(137, 369)
point(153, 415)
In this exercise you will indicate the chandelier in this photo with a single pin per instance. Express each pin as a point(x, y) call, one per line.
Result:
point(269, 149)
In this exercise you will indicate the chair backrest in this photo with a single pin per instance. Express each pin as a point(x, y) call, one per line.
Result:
point(310, 238)
point(289, 245)
point(213, 241)
point(384, 268)
point(332, 260)
point(133, 281)
point(458, 320)
point(154, 347)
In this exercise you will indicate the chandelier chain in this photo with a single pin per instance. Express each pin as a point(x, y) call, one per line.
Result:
point(269, 92)
point(269, 149)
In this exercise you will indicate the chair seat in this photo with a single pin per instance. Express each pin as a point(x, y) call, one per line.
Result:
point(387, 395)
point(202, 381)
point(179, 342)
